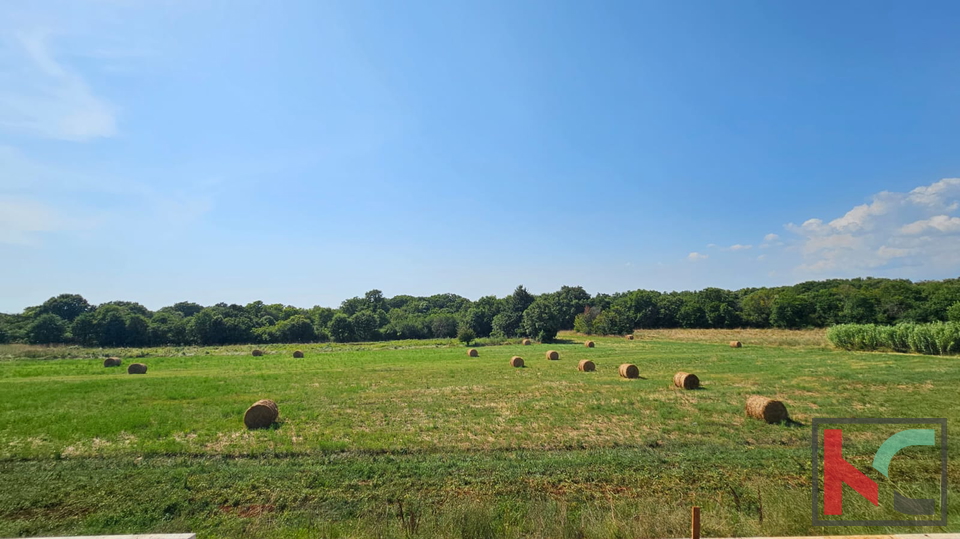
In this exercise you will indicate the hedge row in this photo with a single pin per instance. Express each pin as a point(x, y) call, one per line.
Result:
point(937, 338)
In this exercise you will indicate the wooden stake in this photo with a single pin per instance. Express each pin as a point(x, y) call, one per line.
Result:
point(695, 523)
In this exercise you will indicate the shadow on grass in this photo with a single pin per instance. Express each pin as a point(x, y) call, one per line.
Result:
point(792, 424)
point(272, 426)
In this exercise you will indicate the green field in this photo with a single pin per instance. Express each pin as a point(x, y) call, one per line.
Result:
point(419, 440)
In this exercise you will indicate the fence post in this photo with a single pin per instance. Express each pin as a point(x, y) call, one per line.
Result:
point(695, 523)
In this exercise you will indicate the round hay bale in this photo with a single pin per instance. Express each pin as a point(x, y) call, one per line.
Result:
point(769, 410)
point(686, 380)
point(257, 353)
point(112, 362)
point(137, 368)
point(261, 414)
point(586, 365)
point(473, 352)
point(589, 344)
point(736, 344)
point(628, 370)
point(553, 355)
point(516, 361)
point(298, 354)
point(630, 337)
point(525, 342)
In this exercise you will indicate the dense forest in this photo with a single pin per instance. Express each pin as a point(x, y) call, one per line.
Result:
point(69, 318)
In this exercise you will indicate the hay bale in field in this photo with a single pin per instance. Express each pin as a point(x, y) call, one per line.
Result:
point(553, 355)
point(261, 414)
point(628, 370)
point(586, 365)
point(112, 362)
point(516, 361)
point(473, 352)
point(769, 410)
point(525, 342)
point(257, 353)
point(736, 344)
point(589, 344)
point(137, 368)
point(686, 380)
point(297, 354)
point(629, 337)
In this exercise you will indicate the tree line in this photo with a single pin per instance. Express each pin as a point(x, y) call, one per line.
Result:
point(69, 318)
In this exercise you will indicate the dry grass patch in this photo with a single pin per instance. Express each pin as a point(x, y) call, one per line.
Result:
point(766, 337)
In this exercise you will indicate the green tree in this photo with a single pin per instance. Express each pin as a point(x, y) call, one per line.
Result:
point(298, 329)
point(613, 321)
point(541, 320)
point(137, 331)
point(466, 335)
point(953, 313)
point(790, 311)
point(341, 328)
point(506, 324)
point(111, 325)
point(67, 306)
point(168, 327)
point(47, 329)
point(443, 325)
point(207, 327)
point(85, 330)
point(365, 325)
point(479, 320)
point(641, 307)
point(859, 309)
point(584, 322)
point(519, 300)
point(187, 308)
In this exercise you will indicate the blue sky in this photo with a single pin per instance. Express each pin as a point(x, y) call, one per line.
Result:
point(303, 152)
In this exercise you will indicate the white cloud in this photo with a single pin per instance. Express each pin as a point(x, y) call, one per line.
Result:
point(41, 97)
point(695, 256)
point(762, 257)
point(941, 223)
point(739, 247)
point(771, 237)
point(893, 230)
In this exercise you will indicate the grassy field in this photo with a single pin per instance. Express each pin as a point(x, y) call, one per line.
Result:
point(416, 439)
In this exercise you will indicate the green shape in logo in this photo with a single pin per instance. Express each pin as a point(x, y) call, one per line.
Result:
point(893, 444)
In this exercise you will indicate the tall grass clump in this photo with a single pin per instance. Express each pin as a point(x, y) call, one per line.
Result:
point(937, 338)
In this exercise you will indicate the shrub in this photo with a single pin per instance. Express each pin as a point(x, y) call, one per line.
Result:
point(541, 320)
point(953, 313)
point(466, 335)
point(47, 328)
point(341, 328)
point(936, 338)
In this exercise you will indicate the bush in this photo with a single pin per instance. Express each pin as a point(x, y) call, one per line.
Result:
point(46, 329)
point(341, 328)
point(936, 338)
point(541, 320)
point(953, 313)
point(506, 325)
point(466, 335)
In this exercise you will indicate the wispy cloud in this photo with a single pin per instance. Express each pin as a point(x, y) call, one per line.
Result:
point(915, 234)
point(23, 220)
point(40, 96)
point(893, 229)
point(696, 257)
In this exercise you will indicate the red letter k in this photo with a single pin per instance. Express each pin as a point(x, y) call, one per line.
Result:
point(837, 471)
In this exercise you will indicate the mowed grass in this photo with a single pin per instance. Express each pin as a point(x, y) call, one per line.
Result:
point(402, 441)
